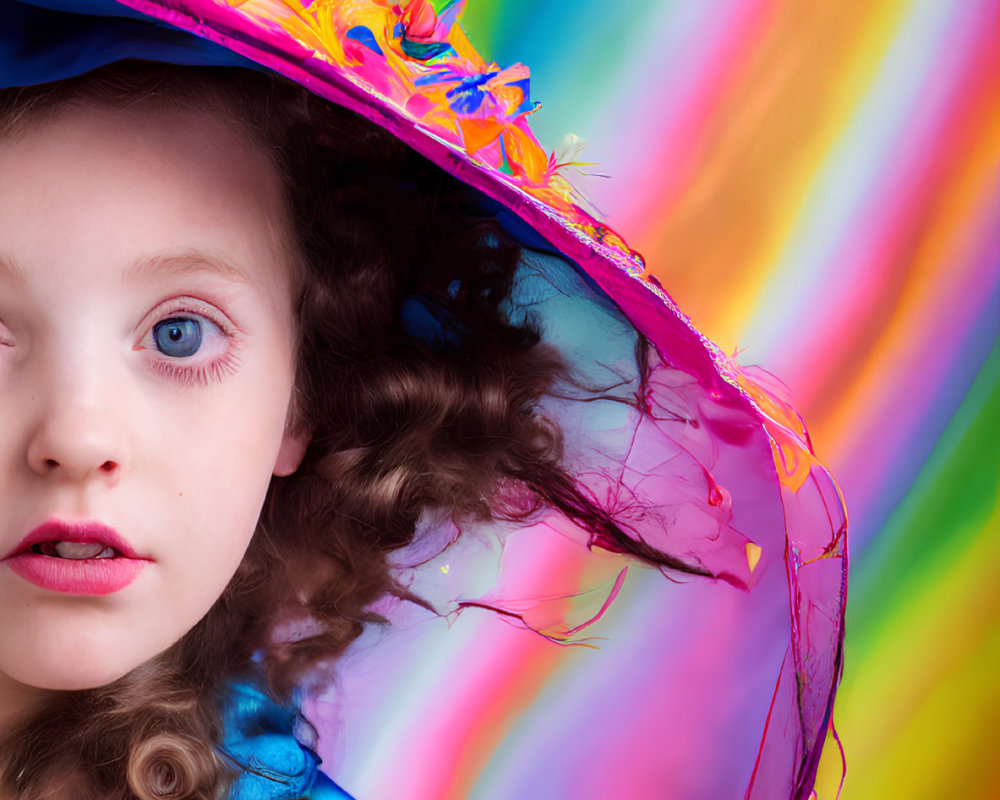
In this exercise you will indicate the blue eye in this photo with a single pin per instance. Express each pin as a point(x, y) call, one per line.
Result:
point(177, 337)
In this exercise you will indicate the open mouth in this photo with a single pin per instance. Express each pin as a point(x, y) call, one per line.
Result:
point(74, 550)
point(76, 558)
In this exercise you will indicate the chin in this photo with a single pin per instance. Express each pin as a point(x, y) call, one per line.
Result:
point(53, 678)
point(72, 665)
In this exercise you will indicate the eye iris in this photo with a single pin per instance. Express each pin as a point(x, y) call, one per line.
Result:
point(178, 337)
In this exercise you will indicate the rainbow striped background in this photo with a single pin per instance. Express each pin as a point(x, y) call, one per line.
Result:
point(816, 184)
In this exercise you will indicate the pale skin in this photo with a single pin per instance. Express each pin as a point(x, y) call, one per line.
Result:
point(122, 232)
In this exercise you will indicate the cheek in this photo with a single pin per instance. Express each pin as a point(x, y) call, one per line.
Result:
point(218, 467)
point(229, 432)
point(214, 447)
point(217, 483)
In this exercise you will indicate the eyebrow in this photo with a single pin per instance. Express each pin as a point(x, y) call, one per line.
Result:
point(189, 262)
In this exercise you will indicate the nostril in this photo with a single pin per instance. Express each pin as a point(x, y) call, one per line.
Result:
point(108, 466)
point(51, 463)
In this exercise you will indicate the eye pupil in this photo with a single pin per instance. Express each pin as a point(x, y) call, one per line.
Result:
point(178, 337)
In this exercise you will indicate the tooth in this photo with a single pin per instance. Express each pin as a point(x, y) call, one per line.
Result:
point(82, 550)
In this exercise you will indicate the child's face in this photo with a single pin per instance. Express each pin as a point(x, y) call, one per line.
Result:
point(146, 364)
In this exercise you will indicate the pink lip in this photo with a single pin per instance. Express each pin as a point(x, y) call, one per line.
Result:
point(93, 576)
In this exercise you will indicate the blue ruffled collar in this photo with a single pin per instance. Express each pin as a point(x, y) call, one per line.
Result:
point(260, 741)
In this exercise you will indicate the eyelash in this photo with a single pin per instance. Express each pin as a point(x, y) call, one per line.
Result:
point(201, 375)
point(190, 371)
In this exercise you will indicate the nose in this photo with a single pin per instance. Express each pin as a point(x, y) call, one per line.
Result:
point(78, 435)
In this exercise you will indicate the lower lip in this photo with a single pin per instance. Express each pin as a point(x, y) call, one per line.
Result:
point(94, 576)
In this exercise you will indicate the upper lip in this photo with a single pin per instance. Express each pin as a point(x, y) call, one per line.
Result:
point(85, 531)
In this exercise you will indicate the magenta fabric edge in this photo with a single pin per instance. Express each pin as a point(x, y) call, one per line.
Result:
point(809, 765)
point(647, 305)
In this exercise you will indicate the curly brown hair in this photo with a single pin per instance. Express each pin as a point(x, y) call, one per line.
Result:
point(399, 424)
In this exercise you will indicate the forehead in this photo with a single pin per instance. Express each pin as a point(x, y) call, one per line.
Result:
point(91, 182)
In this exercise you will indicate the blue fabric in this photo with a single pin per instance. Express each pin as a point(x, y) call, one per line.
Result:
point(260, 741)
point(45, 40)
